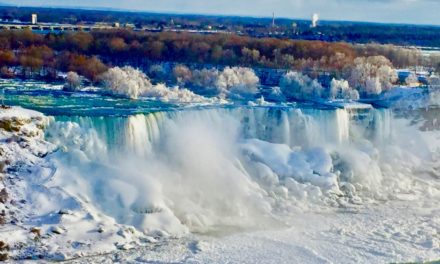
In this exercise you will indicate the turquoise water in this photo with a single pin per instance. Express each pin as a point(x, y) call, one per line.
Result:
point(51, 100)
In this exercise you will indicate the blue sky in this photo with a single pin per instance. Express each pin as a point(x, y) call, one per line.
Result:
point(398, 11)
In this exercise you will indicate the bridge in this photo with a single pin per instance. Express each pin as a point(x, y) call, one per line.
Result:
point(54, 27)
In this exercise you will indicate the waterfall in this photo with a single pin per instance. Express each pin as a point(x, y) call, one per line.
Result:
point(197, 169)
point(342, 125)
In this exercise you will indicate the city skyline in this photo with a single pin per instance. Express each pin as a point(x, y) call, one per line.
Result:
point(388, 11)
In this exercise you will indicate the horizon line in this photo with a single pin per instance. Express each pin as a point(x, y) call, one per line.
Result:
point(121, 10)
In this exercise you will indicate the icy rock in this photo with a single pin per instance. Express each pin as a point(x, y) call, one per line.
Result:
point(125, 246)
point(65, 212)
point(3, 196)
point(23, 121)
point(126, 232)
point(36, 231)
point(57, 230)
point(4, 246)
point(149, 239)
point(2, 166)
point(101, 229)
point(199, 246)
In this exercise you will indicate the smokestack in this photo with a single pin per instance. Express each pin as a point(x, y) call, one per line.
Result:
point(315, 19)
point(273, 19)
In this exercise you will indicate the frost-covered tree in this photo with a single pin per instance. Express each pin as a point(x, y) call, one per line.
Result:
point(205, 78)
point(133, 83)
point(340, 89)
point(73, 81)
point(126, 81)
point(238, 80)
point(295, 85)
point(387, 76)
point(372, 86)
point(182, 74)
point(372, 75)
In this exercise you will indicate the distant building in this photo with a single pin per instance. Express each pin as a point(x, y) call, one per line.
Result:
point(34, 19)
point(116, 25)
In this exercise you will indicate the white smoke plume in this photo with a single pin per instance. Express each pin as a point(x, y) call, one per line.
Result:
point(315, 19)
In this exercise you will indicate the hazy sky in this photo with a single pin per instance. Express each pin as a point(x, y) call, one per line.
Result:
point(400, 11)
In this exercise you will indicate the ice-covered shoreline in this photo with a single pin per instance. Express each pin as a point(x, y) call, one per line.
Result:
point(41, 220)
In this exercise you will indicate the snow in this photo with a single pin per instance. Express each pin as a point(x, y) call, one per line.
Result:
point(19, 113)
point(381, 233)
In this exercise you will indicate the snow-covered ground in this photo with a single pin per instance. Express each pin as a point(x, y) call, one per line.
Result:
point(382, 233)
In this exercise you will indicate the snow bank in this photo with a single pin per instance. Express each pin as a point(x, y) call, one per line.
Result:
point(22, 121)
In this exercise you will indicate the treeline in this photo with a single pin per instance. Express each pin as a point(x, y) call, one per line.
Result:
point(29, 55)
point(89, 54)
